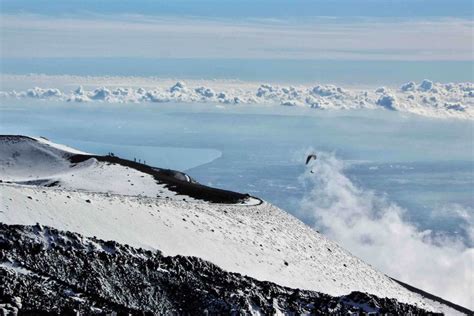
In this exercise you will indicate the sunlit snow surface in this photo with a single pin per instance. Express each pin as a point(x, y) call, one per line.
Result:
point(421, 164)
point(260, 241)
point(94, 198)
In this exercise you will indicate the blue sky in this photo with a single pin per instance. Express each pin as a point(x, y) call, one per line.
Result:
point(249, 8)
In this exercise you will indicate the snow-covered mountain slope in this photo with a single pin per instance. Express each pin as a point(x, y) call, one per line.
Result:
point(254, 239)
point(37, 161)
point(26, 158)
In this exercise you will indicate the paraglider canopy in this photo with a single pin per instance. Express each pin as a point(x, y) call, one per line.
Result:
point(310, 157)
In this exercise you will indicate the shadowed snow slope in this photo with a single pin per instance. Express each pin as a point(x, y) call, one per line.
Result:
point(258, 240)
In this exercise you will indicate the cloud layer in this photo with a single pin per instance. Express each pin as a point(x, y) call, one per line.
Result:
point(374, 229)
point(426, 98)
point(27, 36)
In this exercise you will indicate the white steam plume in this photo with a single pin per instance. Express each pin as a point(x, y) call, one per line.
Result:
point(373, 229)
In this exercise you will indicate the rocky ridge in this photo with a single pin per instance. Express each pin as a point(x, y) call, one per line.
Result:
point(46, 271)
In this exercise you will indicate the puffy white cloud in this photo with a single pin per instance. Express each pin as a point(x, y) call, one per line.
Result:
point(100, 94)
point(43, 93)
point(178, 87)
point(291, 103)
point(326, 91)
point(455, 106)
point(154, 96)
point(429, 99)
point(409, 86)
point(205, 92)
point(265, 90)
point(381, 90)
point(387, 101)
point(426, 85)
point(79, 91)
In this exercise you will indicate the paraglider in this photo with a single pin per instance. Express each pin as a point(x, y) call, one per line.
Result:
point(310, 157)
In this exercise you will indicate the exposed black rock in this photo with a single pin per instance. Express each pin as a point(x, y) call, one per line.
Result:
point(46, 271)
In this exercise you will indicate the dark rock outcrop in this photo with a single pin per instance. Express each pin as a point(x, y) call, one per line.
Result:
point(46, 271)
point(175, 181)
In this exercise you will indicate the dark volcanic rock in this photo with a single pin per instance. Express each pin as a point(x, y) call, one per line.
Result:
point(46, 271)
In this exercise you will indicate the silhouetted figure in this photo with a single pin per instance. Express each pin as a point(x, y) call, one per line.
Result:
point(310, 157)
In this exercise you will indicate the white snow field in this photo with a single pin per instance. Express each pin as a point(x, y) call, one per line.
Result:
point(258, 240)
point(427, 98)
point(37, 161)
